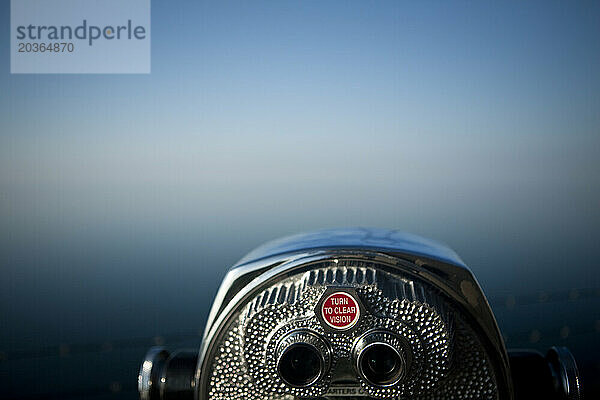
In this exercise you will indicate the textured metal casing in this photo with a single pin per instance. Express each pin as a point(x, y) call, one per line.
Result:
point(424, 259)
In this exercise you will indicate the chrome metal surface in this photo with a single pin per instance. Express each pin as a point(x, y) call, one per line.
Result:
point(423, 259)
point(381, 240)
point(315, 274)
point(167, 376)
point(568, 381)
point(553, 377)
point(309, 338)
point(412, 298)
point(150, 371)
point(393, 344)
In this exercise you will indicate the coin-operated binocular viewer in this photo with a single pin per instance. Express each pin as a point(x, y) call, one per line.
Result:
point(354, 314)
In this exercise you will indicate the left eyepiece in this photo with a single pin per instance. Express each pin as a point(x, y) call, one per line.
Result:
point(303, 357)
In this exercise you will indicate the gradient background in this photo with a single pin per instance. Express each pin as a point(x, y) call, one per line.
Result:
point(123, 198)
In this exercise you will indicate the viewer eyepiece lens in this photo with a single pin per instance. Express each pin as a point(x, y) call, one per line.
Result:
point(381, 364)
point(300, 364)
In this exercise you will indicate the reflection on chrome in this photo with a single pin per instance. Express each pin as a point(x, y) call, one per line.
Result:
point(355, 313)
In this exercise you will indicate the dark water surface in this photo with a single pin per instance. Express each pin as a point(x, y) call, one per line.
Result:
point(79, 314)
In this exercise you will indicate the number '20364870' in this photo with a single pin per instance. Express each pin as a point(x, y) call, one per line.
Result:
point(26, 47)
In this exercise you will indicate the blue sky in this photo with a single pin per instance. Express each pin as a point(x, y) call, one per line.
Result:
point(470, 122)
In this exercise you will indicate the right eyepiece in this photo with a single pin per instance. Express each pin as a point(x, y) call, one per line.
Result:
point(380, 358)
point(302, 358)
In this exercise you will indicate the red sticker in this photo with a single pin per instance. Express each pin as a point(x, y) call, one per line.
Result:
point(340, 310)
